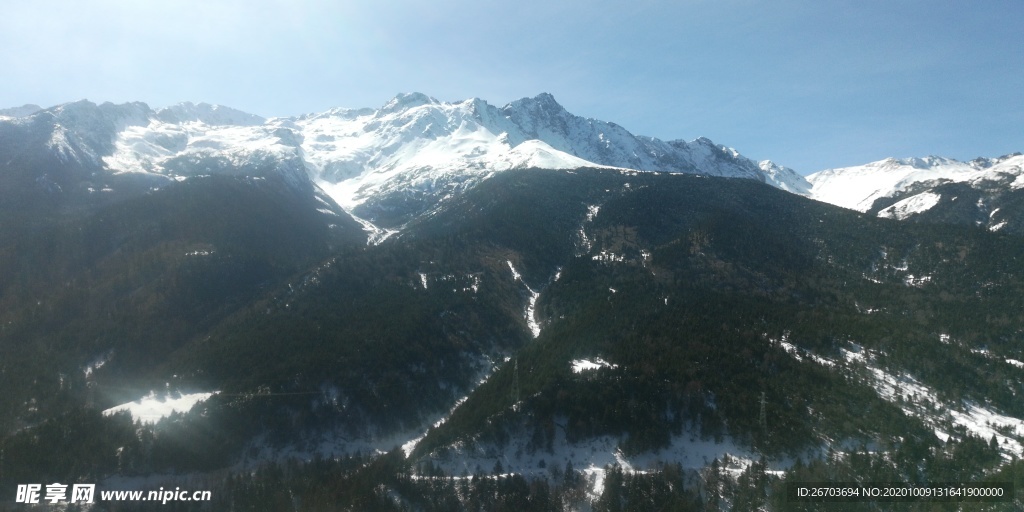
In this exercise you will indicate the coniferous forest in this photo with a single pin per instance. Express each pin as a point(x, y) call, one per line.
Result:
point(820, 344)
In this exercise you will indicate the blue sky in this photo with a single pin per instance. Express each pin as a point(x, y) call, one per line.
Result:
point(808, 84)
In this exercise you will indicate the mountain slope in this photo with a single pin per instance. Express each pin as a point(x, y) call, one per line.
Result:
point(692, 305)
point(124, 285)
point(545, 319)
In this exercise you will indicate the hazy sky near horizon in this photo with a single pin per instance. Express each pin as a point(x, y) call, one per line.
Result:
point(808, 84)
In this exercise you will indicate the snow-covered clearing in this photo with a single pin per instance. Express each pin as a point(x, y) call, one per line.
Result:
point(593, 457)
point(152, 407)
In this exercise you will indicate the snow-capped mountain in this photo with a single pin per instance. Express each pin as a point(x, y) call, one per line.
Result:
point(393, 161)
point(416, 144)
point(416, 147)
point(905, 188)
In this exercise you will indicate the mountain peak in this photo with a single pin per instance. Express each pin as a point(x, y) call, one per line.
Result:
point(984, 163)
point(90, 119)
point(784, 178)
point(405, 101)
point(543, 102)
point(545, 97)
point(214, 115)
point(928, 162)
point(72, 107)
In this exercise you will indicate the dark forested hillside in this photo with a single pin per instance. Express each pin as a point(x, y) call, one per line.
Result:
point(126, 284)
point(692, 283)
point(523, 326)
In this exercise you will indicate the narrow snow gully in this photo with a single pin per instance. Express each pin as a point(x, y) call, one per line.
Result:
point(410, 446)
point(374, 234)
point(531, 306)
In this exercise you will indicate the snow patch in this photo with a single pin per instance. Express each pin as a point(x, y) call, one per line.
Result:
point(911, 206)
point(583, 365)
point(609, 257)
point(151, 408)
point(916, 282)
point(97, 363)
point(799, 354)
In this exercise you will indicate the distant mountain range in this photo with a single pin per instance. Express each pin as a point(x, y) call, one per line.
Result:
point(391, 163)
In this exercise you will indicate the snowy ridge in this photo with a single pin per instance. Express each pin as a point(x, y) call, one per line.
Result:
point(784, 178)
point(416, 143)
point(858, 187)
point(413, 146)
point(206, 113)
point(609, 144)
